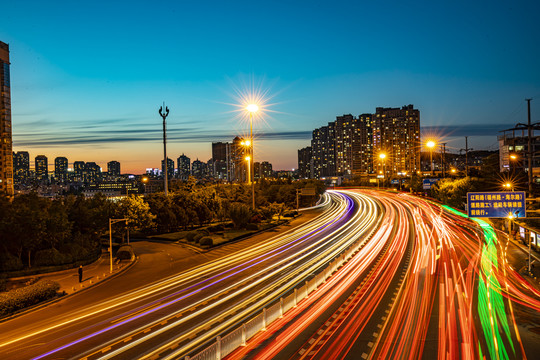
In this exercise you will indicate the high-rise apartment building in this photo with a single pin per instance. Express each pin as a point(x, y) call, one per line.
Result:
point(351, 145)
point(238, 153)
point(41, 167)
point(91, 173)
point(21, 166)
point(198, 169)
point(305, 163)
point(78, 171)
point(170, 168)
point(221, 160)
point(6, 151)
point(61, 169)
point(398, 135)
point(184, 167)
point(113, 168)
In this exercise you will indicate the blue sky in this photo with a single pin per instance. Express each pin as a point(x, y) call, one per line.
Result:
point(89, 77)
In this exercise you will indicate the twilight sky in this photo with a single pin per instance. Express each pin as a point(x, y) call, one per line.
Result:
point(88, 77)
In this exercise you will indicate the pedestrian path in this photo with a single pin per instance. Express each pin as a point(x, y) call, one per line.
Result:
point(92, 274)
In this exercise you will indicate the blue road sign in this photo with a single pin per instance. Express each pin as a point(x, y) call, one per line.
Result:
point(426, 183)
point(496, 204)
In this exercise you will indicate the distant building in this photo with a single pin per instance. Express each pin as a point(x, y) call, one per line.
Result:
point(221, 160)
point(184, 167)
point(78, 171)
point(92, 172)
point(198, 169)
point(21, 166)
point(170, 168)
point(6, 151)
point(351, 145)
point(41, 167)
point(61, 169)
point(262, 170)
point(305, 163)
point(113, 168)
point(515, 142)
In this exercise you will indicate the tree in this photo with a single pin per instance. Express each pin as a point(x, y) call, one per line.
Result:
point(137, 212)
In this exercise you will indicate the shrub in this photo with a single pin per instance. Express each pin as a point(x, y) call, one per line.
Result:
point(17, 299)
point(216, 228)
point(239, 214)
point(290, 213)
point(76, 251)
point(9, 262)
point(125, 253)
point(207, 241)
point(190, 235)
point(198, 237)
point(252, 226)
point(51, 257)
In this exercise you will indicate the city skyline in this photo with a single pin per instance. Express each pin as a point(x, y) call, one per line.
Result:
point(89, 94)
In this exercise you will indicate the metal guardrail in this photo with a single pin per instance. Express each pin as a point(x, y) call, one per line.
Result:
point(225, 345)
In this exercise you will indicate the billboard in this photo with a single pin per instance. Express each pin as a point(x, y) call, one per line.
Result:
point(499, 204)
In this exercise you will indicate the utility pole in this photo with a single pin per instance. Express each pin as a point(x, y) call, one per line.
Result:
point(466, 155)
point(443, 155)
point(164, 116)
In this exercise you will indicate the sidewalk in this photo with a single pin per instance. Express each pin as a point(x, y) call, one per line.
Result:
point(92, 274)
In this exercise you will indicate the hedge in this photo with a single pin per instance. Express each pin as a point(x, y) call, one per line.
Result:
point(252, 226)
point(21, 298)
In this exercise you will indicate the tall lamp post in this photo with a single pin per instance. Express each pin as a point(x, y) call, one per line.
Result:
point(251, 108)
point(164, 115)
point(431, 144)
point(112, 221)
point(382, 156)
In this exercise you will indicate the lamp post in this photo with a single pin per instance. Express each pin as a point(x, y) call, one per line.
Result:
point(431, 144)
point(251, 108)
point(164, 115)
point(509, 186)
point(382, 156)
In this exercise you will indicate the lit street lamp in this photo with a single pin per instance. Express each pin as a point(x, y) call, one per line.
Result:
point(431, 144)
point(382, 156)
point(508, 186)
point(251, 108)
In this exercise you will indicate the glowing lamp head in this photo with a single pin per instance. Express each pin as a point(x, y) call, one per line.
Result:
point(513, 156)
point(247, 143)
point(382, 156)
point(252, 108)
point(430, 144)
point(248, 158)
point(508, 185)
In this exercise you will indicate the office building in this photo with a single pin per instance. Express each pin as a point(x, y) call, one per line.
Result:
point(6, 150)
point(221, 160)
point(61, 169)
point(198, 169)
point(91, 173)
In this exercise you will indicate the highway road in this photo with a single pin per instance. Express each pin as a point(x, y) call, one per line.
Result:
point(177, 314)
point(430, 283)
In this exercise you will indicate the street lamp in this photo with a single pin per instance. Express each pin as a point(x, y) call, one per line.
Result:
point(508, 186)
point(144, 181)
point(248, 160)
point(382, 156)
point(431, 144)
point(251, 108)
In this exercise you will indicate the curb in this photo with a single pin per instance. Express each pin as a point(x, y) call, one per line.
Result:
point(64, 296)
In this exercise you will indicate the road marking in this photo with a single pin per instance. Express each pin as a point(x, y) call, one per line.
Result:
point(364, 356)
point(104, 350)
point(370, 344)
